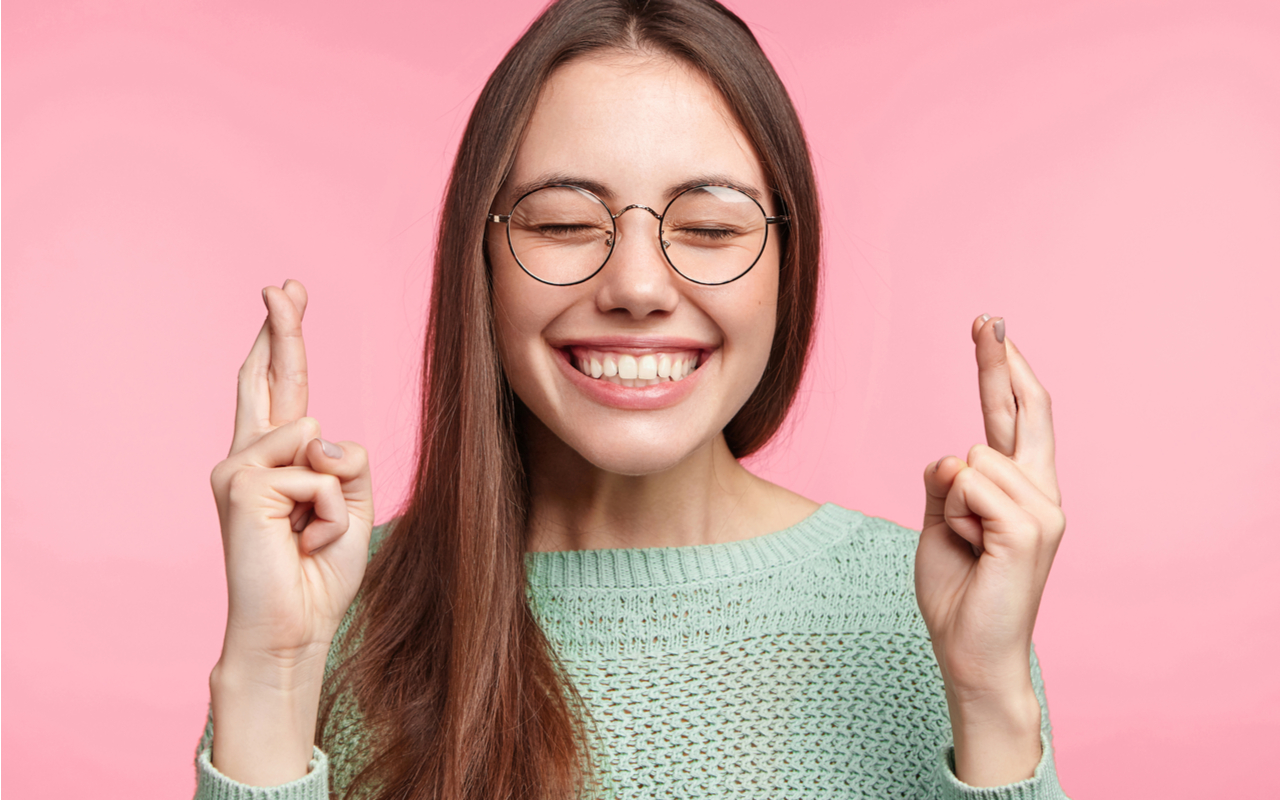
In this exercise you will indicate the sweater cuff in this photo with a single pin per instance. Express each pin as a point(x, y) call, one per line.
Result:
point(1042, 785)
point(213, 785)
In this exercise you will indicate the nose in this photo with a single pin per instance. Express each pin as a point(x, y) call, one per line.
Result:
point(637, 279)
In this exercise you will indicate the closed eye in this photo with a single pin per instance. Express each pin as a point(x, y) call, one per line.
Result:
point(709, 234)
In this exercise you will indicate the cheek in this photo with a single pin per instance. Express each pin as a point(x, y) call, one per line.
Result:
point(765, 305)
point(523, 309)
point(514, 324)
point(749, 323)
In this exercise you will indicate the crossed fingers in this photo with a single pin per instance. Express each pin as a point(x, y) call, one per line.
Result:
point(272, 389)
point(1008, 487)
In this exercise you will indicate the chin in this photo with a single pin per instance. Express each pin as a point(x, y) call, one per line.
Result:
point(640, 456)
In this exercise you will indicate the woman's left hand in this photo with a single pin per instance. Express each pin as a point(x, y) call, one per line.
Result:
point(992, 524)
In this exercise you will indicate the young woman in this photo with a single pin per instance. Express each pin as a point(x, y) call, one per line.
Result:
point(586, 592)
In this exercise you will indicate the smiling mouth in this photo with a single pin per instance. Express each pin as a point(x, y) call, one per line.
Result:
point(635, 371)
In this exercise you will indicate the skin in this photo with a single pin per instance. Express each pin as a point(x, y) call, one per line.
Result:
point(608, 477)
point(296, 512)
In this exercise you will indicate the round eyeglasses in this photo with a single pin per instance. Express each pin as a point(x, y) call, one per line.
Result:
point(563, 234)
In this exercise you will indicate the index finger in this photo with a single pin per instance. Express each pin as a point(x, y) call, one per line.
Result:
point(253, 399)
point(287, 375)
point(995, 385)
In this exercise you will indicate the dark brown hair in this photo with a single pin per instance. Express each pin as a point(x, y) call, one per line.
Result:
point(460, 693)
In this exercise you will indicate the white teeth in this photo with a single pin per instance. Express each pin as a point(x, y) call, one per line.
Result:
point(647, 368)
point(627, 367)
point(635, 371)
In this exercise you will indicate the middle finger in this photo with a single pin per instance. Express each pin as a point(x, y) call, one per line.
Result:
point(287, 375)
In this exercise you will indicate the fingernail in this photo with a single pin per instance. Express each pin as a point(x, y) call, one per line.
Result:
point(938, 463)
point(986, 317)
point(330, 449)
point(999, 327)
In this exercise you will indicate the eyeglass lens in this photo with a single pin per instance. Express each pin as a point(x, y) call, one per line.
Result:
point(564, 235)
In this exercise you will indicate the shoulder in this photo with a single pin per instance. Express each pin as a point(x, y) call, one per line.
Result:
point(869, 562)
point(851, 533)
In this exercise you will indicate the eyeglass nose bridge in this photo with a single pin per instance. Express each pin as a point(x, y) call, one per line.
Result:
point(656, 215)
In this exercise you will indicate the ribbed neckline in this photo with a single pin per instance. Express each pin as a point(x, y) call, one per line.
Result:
point(649, 567)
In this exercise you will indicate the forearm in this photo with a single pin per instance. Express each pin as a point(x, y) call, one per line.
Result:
point(997, 737)
point(264, 721)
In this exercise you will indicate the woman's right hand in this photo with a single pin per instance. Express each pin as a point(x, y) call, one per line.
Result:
point(296, 514)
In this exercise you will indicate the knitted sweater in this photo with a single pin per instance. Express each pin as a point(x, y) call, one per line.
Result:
point(790, 665)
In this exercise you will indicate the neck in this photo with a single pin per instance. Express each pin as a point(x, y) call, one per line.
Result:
point(706, 498)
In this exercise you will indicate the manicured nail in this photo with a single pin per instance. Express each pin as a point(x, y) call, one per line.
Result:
point(330, 449)
point(999, 326)
point(986, 317)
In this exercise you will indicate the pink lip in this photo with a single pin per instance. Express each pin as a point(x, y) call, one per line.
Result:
point(648, 398)
point(636, 344)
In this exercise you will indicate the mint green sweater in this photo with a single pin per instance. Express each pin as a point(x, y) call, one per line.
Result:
point(791, 665)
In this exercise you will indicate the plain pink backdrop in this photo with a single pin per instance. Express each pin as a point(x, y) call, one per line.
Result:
point(1106, 175)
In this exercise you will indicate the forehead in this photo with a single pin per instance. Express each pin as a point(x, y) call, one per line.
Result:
point(637, 125)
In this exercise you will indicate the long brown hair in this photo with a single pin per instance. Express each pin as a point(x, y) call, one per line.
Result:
point(460, 694)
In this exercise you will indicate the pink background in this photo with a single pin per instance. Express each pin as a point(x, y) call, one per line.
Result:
point(1104, 174)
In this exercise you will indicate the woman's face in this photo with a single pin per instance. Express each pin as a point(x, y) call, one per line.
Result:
point(635, 128)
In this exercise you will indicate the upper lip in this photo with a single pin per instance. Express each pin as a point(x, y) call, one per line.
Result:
point(634, 344)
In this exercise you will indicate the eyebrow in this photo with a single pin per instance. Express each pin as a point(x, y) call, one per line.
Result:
point(605, 193)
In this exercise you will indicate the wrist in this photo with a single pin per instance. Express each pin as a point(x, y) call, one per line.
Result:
point(996, 736)
point(265, 680)
point(264, 721)
point(283, 668)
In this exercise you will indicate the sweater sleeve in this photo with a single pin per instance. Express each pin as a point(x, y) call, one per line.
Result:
point(213, 785)
point(1042, 785)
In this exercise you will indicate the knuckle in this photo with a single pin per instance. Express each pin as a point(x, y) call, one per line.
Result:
point(251, 369)
point(218, 476)
point(356, 453)
point(1057, 522)
point(331, 484)
point(979, 454)
point(294, 377)
point(1038, 395)
point(242, 483)
point(308, 427)
point(1002, 405)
